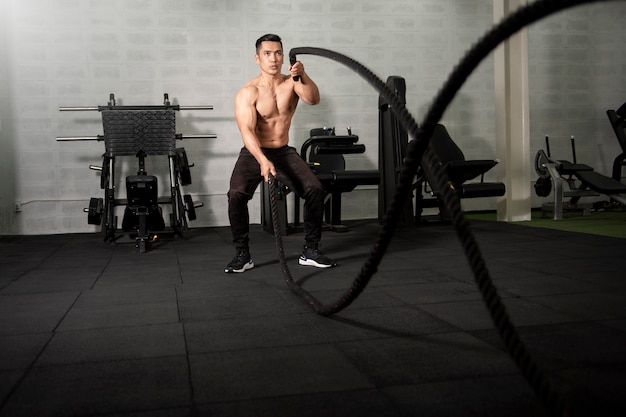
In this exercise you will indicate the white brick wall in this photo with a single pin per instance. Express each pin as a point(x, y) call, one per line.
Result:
point(76, 52)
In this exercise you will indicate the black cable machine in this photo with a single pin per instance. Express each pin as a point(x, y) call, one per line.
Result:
point(392, 142)
point(141, 131)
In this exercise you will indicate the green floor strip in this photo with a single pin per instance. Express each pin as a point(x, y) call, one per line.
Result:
point(604, 223)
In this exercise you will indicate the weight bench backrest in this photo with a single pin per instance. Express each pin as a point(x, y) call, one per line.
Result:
point(325, 152)
point(452, 159)
point(143, 197)
point(324, 163)
point(446, 149)
point(142, 190)
point(460, 170)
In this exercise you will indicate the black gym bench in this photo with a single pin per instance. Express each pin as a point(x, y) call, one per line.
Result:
point(462, 175)
point(582, 181)
point(324, 152)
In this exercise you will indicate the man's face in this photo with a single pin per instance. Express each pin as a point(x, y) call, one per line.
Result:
point(270, 57)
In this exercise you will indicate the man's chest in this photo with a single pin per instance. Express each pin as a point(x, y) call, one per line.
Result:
point(271, 104)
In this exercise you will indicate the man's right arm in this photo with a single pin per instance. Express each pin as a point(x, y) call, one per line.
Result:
point(246, 117)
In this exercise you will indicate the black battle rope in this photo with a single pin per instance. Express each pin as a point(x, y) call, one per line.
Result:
point(419, 150)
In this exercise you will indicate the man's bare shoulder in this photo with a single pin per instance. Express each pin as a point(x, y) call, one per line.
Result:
point(248, 92)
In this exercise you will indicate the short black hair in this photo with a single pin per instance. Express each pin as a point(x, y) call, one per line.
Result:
point(268, 38)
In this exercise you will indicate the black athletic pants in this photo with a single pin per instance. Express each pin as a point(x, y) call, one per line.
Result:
point(293, 172)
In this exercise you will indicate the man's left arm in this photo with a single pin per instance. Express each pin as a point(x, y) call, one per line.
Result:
point(305, 87)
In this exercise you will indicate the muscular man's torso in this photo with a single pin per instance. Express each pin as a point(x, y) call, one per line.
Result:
point(275, 108)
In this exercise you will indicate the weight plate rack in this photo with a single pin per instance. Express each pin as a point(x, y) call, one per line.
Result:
point(141, 131)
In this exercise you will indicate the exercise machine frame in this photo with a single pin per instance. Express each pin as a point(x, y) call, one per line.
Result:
point(323, 151)
point(581, 181)
point(141, 131)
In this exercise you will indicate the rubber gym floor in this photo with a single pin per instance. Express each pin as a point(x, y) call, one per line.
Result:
point(89, 328)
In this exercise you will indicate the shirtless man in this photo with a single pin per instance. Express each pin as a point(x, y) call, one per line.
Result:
point(264, 108)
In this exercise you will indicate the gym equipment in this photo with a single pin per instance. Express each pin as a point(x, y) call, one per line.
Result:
point(461, 173)
point(292, 60)
point(392, 147)
point(618, 123)
point(141, 131)
point(95, 210)
point(281, 209)
point(581, 180)
point(393, 142)
point(324, 152)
